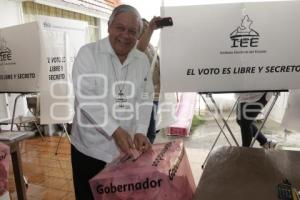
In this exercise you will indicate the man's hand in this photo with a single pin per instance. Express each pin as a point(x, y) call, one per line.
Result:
point(141, 142)
point(152, 24)
point(123, 140)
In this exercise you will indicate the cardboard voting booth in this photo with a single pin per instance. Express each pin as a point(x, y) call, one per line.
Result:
point(38, 57)
point(62, 40)
point(163, 173)
point(20, 58)
point(246, 46)
point(236, 173)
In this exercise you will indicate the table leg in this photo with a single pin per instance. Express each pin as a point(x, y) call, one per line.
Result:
point(18, 172)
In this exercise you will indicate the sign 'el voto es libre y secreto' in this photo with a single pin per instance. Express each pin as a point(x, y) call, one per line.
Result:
point(231, 47)
point(38, 57)
point(20, 58)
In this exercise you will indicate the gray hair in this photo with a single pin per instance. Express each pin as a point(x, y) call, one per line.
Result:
point(126, 9)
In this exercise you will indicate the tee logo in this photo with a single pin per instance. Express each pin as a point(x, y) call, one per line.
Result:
point(244, 35)
point(5, 52)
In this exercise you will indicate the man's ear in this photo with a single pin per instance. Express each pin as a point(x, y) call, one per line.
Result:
point(108, 28)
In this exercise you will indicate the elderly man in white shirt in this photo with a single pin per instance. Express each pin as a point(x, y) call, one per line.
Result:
point(113, 99)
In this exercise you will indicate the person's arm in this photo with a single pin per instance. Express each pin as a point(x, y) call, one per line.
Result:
point(123, 140)
point(146, 35)
point(88, 94)
point(144, 109)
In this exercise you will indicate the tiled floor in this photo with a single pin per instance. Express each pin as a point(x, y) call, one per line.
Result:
point(50, 177)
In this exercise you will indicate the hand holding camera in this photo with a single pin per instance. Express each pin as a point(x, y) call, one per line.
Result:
point(159, 22)
point(162, 22)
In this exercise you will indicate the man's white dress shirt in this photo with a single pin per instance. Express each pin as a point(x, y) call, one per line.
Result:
point(98, 77)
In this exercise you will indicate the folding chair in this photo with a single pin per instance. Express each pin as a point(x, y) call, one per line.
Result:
point(21, 121)
point(33, 105)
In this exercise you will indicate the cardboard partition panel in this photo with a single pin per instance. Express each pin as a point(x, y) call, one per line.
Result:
point(247, 46)
point(20, 58)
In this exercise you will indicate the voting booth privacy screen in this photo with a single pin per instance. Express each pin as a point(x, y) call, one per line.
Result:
point(20, 58)
point(231, 47)
point(62, 40)
point(38, 57)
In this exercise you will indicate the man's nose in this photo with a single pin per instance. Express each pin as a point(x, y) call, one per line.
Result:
point(126, 33)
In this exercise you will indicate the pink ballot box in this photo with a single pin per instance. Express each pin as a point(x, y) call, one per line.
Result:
point(162, 173)
point(4, 169)
point(185, 113)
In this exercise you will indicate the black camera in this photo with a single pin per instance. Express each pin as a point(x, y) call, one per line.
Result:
point(166, 21)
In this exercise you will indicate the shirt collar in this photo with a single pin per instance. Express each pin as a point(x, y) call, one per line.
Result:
point(106, 48)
